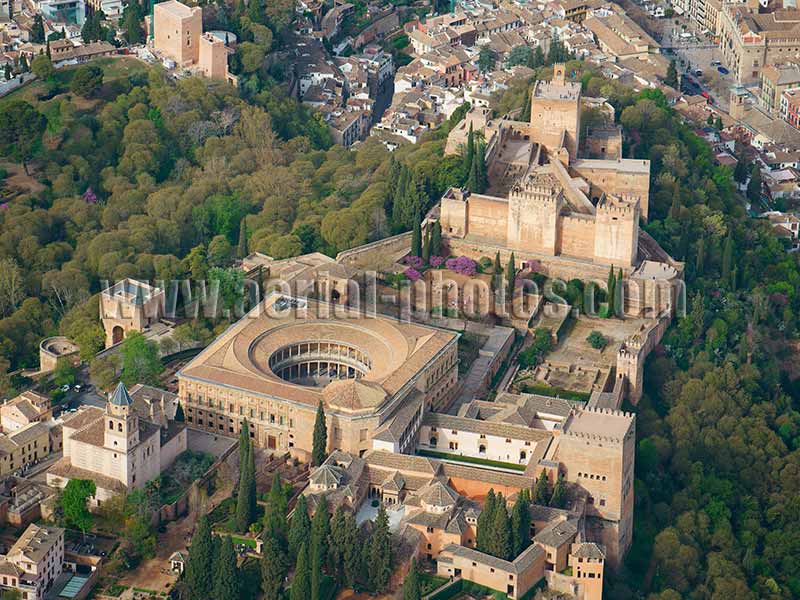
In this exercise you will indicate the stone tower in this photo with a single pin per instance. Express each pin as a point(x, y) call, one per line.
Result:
point(534, 212)
point(556, 113)
point(616, 235)
point(122, 429)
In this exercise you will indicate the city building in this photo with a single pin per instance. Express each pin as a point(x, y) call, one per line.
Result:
point(280, 361)
point(27, 408)
point(34, 562)
point(775, 80)
point(790, 107)
point(23, 447)
point(118, 447)
point(63, 11)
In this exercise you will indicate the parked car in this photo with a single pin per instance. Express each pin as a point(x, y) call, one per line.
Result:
point(77, 387)
point(698, 72)
point(715, 63)
point(65, 388)
point(723, 70)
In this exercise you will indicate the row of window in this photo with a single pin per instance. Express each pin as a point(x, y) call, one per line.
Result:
point(592, 476)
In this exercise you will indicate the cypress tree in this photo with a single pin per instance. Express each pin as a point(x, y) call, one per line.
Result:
point(511, 275)
point(619, 296)
point(483, 535)
point(521, 523)
point(699, 265)
point(727, 259)
point(497, 273)
point(436, 239)
point(336, 544)
point(540, 492)
point(179, 416)
point(226, 573)
point(501, 544)
point(426, 246)
point(394, 178)
point(351, 551)
point(244, 513)
point(320, 530)
point(611, 288)
point(754, 185)
point(301, 582)
point(469, 155)
point(380, 553)
point(675, 208)
point(473, 184)
point(199, 565)
point(319, 450)
point(274, 568)
point(244, 444)
point(300, 529)
point(241, 249)
point(317, 560)
point(482, 176)
point(275, 513)
point(416, 237)
point(411, 588)
point(398, 201)
point(559, 497)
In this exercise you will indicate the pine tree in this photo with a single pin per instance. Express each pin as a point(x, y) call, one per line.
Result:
point(301, 582)
point(727, 259)
point(242, 247)
point(199, 565)
point(611, 288)
point(521, 523)
point(672, 75)
point(416, 237)
point(274, 568)
point(559, 497)
point(502, 541)
point(300, 529)
point(540, 491)
point(226, 573)
point(511, 276)
point(436, 239)
point(380, 553)
point(319, 450)
point(411, 587)
point(483, 534)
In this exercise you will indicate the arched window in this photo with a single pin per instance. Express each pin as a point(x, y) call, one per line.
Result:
point(433, 441)
point(523, 455)
point(111, 425)
point(482, 449)
point(119, 427)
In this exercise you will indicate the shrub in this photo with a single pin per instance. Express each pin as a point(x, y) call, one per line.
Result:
point(485, 263)
point(597, 340)
point(462, 265)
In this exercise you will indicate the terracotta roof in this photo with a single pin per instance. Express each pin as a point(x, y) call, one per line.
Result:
point(557, 534)
point(588, 550)
point(64, 469)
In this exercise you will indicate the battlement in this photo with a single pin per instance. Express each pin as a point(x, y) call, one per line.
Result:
point(593, 437)
point(623, 205)
point(608, 411)
point(457, 194)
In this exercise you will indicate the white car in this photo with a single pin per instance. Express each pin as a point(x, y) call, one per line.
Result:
point(77, 387)
point(65, 388)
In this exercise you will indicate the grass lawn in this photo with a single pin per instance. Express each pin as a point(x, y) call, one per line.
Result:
point(546, 390)
point(250, 542)
point(472, 460)
point(429, 582)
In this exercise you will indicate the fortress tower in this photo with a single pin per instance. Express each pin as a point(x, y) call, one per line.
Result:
point(534, 210)
point(616, 240)
point(556, 112)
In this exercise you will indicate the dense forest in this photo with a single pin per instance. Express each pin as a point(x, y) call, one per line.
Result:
point(138, 175)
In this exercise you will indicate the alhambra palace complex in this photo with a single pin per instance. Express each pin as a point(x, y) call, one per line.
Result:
point(404, 426)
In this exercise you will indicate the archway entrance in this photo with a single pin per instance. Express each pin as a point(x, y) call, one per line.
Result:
point(117, 334)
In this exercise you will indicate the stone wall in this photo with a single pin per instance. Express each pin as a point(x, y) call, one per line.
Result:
point(634, 351)
point(577, 235)
point(374, 252)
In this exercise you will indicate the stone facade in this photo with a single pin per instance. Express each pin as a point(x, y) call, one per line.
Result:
point(177, 30)
point(129, 305)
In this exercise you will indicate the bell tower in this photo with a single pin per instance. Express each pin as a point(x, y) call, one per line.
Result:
point(121, 424)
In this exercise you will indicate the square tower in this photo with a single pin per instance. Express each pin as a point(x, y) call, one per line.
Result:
point(177, 29)
point(534, 212)
point(122, 425)
point(556, 113)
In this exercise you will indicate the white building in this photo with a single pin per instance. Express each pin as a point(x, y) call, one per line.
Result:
point(34, 562)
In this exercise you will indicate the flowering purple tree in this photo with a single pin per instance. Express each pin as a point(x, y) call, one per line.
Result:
point(436, 261)
point(462, 265)
point(412, 274)
point(89, 196)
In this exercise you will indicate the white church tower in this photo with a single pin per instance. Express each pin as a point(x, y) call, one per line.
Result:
point(122, 425)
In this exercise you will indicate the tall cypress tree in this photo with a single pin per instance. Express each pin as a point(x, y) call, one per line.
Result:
point(611, 288)
point(317, 560)
point(469, 155)
point(502, 542)
point(521, 523)
point(199, 565)
point(727, 259)
point(380, 553)
point(336, 543)
point(472, 183)
point(320, 530)
point(300, 529)
point(319, 449)
point(497, 275)
point(426, 246)
point(411, 587)
point(482, 176)
point(244, 443)
point(619, 295)
point(275, 513)
point(274, 568)
point(301, 582)
point(351, 555)
point(416, 237)
point(241, 249)
point(399, 200)
point(226, 573)
point(559, 497)
point(511, 275)
point(540, 491)
point(436, 239)
point(483, 535)
point(179, 416)
point(700, 264)
point(244, 512)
